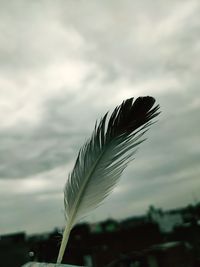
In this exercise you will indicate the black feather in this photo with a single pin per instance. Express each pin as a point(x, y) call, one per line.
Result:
point(130, 116)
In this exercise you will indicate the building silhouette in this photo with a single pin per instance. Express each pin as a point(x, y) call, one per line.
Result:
point(158, 239)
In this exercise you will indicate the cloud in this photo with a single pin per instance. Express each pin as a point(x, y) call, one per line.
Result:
point(63, 65)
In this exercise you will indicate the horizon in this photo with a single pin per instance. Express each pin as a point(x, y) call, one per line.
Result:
point(120, 220)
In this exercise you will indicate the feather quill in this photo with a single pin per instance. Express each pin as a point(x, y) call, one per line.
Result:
point(103, 158)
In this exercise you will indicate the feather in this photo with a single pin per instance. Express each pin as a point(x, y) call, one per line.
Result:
point(103, 158)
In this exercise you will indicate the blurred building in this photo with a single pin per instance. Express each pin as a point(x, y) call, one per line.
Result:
point(166, 221)
point(13, 250)
point(159, 239)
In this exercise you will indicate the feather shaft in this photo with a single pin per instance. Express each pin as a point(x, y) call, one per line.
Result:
point(70, 222)
point(64, 243)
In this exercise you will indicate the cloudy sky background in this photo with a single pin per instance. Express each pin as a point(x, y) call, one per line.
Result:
point(63, 64)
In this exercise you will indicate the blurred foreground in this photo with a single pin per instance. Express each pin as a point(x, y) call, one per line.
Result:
point(158, 239)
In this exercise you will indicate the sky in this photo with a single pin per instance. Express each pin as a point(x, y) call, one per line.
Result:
point(63, 65)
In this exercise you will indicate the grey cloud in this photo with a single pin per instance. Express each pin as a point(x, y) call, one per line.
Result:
point(66, 122)
point(32, 39)
point(155, 47)
point(20, 213)
point(143, 43)
point(51, 144)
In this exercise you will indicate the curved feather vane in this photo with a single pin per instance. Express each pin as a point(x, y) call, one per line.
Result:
point(103, 158)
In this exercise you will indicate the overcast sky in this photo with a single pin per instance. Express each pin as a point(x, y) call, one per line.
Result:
point(63, 64)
